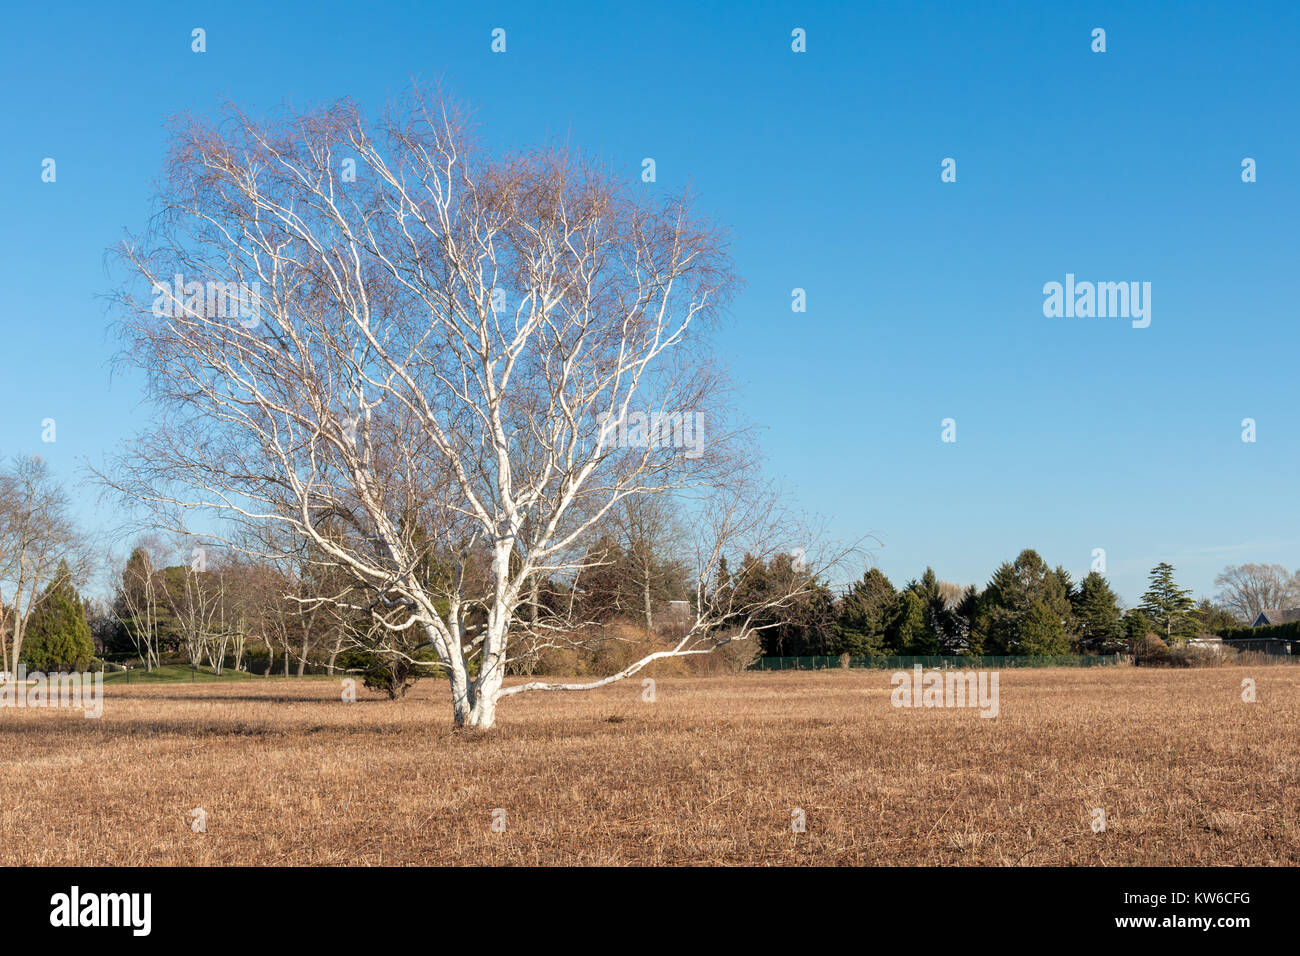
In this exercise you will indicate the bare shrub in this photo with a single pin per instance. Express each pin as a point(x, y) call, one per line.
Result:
point(731, 658)
point(1150, 650)
point(1196, 656)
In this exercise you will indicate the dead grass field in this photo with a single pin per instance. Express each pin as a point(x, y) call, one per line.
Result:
point(708, 774)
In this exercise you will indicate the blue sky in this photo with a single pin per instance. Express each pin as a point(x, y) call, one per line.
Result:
point(924, 298)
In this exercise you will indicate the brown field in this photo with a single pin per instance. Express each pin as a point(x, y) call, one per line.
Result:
point(709, 773)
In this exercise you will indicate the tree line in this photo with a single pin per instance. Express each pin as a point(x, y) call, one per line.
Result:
point(295, 610)
point(1026, 608)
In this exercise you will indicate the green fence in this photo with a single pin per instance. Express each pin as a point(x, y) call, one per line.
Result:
point(960, 663)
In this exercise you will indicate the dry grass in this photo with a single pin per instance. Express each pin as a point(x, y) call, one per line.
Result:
point(709, 773)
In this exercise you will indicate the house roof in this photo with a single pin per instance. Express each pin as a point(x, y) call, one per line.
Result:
point(1279, 615)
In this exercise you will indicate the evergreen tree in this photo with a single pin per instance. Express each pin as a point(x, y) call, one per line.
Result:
point(862, 615)
point(1042, 632)
point(907, 634)
point(1006, 603)
point(600, 591)
point(800, 627)
point(1097, 615)
point(963, 619)
point(1066, 609)
point(1136, 626)
point(1210, 618)
point(58, 637)
point(939, 624)
point(1168, 605)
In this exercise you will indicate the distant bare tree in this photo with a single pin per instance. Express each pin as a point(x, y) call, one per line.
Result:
point(196, 598)
point(951, 593)
point(1247, 589)
point(450, 370)
point(652, 538)
point(138, 597)
point(36, 533)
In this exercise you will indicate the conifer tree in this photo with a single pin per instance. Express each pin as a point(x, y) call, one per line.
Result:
point(58, 638)
point(1166, 604)
point(1096, 614)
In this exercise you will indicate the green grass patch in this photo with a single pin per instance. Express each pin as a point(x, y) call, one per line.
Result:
point(181, 673)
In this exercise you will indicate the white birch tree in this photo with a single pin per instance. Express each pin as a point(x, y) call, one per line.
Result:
point(441, 375)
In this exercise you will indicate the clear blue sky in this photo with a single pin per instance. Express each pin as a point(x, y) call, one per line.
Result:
point(924, 298)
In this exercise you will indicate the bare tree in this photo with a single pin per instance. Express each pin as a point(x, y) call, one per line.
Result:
point(137, 599)
point(652, 541)
point(1247, 589)
point(36, 533)
point(449, 371)
point(196, 596)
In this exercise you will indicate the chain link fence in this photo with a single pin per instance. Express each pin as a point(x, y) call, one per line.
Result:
point(960, 663)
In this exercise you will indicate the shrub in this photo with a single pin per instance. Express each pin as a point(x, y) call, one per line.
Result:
point(390, 674)
point(615, 646)
point(619, 645)
point(1150, 650)
point(730, 658)
point(1186, 655)
point(1278, 632)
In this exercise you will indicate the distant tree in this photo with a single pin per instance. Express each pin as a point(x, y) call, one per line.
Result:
point(58, 637)
point(797, 616)
point(1067, 608)
point(1136, 625)
point(1168, 606)
point(963, 619)
point(1042, 632)
point(1210, 618)
point(939, 624)
point(952, 593)
point(1005, 605)
point(1247, 589)
point(651, 538)
point(37, 533)
point(907, 633)
point(1096, 615)
point(863, 614)
point(106, 630)
point(138, 606)
point(601, 587)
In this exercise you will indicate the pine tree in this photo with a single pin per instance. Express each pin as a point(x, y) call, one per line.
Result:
point(1006, 603)
point(1042, 632)
point(906, 633)
point(939, 624)
point(1096, 615)
point(963, 616)
point(863, 614)
point(1210, 618)
point(1136, 626)
point(58, 638)
point(1168, 605)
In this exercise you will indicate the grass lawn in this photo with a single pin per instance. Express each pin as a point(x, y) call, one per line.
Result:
point(173, 673)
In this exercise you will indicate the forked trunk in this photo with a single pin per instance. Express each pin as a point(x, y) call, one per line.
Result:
point(483, 714)
point(477, 708)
